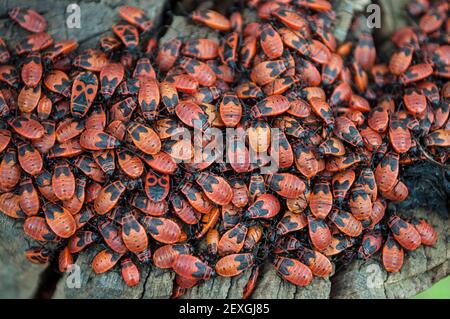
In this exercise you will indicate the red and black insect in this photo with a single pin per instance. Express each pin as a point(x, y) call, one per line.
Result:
point(44, 184)
point(75, 204)
point(27, 127)
point(341, 183)
point(192, 267)
point(266, 72)
point(91, 60)
point(346, 222)
point(105, 159)
point(319, 233)
point(212, 19)
point(248, 90)
point(128, 34)
point(199, 70)
point(57, 81)
point(9, 170)
point(404, 233)
point(80, 240)
point(293, 271)
point(234, 264)
point(111, 234)
point(168, 54)
point(108, 197)
point(251, 283)
point(37, 255)
point(29, 197)
point(203, 49)
point(270, 106)
point(212, 241)
point(105, 260)
point(160, 162)
point(156, 187)
point(290, 222)
point(65, 260)
point(318, 263)
point(360, 202)
point(58, 49)
point(216, 188)
point(4, 53)
point(84, 90)
point(33, 42)
point(265, 206)
point(133, 234)
point(228, 49)
point(286, 185)
point(144, 70)
point(347, 131)
point(386, 172)
point(392, 255)
point(169, 96)
point(130, 164)
point(164, 257)
point(149, 98)
point(232, 241)
point(371, 244)
point(293, 20)
point(28, 98)
point(97, 140)
point(10, 206)
point(230, 110)
point(130, 272)
point(162, 229)
point(137, 17)
point(416, 73)
point(428, 234)
point(270, 41)
point(123, 110)
point(63, 181)
point(29, 158)
point(8, 74)
point(110, 77)
point(332, 69)
point(68, 129)
point(401, 60)
point(32, 69)
point(321, 200)
point(60, 220)
point(144, 138)
point(207, 94)
point(184, 210)
point(192, 115)
point(28, 19)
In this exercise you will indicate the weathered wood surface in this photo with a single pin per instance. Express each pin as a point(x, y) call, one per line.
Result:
point(19, 279)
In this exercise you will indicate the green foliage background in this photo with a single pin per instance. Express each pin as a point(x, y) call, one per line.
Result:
point(441, 290)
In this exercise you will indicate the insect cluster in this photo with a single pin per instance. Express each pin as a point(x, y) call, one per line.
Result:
point(89, 158)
